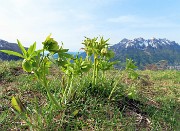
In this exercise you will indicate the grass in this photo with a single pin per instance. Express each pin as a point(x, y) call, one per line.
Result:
point(152, 102)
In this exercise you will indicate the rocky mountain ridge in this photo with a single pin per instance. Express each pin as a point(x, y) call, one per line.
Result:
point(147, 51)
point(142, 43)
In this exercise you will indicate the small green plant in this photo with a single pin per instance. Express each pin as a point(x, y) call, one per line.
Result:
point(98, 48)
point(105, 64)
point(132, 74)
point(130, 69)
point(74, 68)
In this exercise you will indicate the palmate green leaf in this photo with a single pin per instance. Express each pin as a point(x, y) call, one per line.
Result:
point(31, 49)
point(22, 48)
point(26, 65)
point(63, 50)
point(9, 52)
point(62, 53)
point(67, 55)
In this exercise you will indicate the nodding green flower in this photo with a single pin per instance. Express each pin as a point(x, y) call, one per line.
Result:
point(50, 44)
point(104, 51)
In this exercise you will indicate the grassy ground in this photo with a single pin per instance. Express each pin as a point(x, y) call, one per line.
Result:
point(152, 102)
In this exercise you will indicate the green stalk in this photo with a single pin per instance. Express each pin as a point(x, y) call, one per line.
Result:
point(115, 85)
point(94, 71)
point(70, 86)
point(51, 97)
point(67, 86)
point(87, 57)
point(45, 84)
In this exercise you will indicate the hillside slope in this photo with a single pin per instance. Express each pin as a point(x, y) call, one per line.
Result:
point(4, 45)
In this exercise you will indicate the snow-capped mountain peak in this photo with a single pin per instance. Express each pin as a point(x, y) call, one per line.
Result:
point(142, 43)
point(147, 51)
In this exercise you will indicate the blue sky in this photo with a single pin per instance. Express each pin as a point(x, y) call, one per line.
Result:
point(70, 20)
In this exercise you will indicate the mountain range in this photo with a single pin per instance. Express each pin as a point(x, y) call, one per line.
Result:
point(142, 51)
point(147, 51)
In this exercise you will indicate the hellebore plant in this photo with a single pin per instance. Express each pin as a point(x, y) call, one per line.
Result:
point(98, 49)
point(38, 62)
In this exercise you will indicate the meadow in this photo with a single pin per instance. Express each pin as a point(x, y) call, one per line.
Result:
point(40, 93)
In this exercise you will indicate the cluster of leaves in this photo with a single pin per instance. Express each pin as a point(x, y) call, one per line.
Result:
point(98, 48)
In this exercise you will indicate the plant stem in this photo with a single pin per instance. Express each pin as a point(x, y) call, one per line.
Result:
point(115, 85)
point(51, 97)
point(70, 86)
point(94, 70)
point(63, 100)
point(45, 84)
